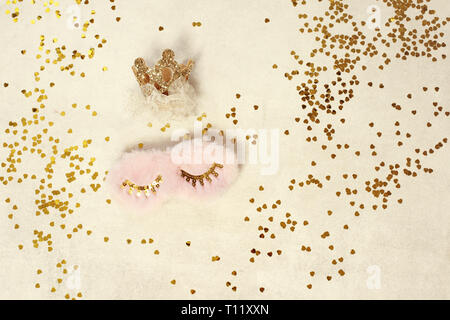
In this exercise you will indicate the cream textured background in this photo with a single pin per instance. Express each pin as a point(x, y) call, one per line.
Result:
point(234, 52)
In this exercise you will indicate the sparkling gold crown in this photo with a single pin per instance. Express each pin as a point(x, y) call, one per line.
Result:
point(162, 75)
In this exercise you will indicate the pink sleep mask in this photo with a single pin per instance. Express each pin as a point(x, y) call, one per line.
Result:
point(191, 169)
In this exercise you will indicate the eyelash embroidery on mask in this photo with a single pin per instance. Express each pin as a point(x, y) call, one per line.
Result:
point(146, 189)
point(203, 176)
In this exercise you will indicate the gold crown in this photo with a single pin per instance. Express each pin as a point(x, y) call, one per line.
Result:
point(162, 75)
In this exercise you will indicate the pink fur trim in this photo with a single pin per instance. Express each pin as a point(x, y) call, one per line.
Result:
point(209, 153)
point(143, 166)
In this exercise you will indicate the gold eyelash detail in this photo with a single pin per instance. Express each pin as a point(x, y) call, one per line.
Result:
point(146, 189)
point(203, 176)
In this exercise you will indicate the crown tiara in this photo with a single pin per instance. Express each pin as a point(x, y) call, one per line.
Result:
point(162, 75)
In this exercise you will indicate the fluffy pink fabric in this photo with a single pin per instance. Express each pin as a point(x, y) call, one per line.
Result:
point(193, 156)
point(207, 153)
point(142, 168)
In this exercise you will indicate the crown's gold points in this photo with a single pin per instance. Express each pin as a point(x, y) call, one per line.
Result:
point(163, 74)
